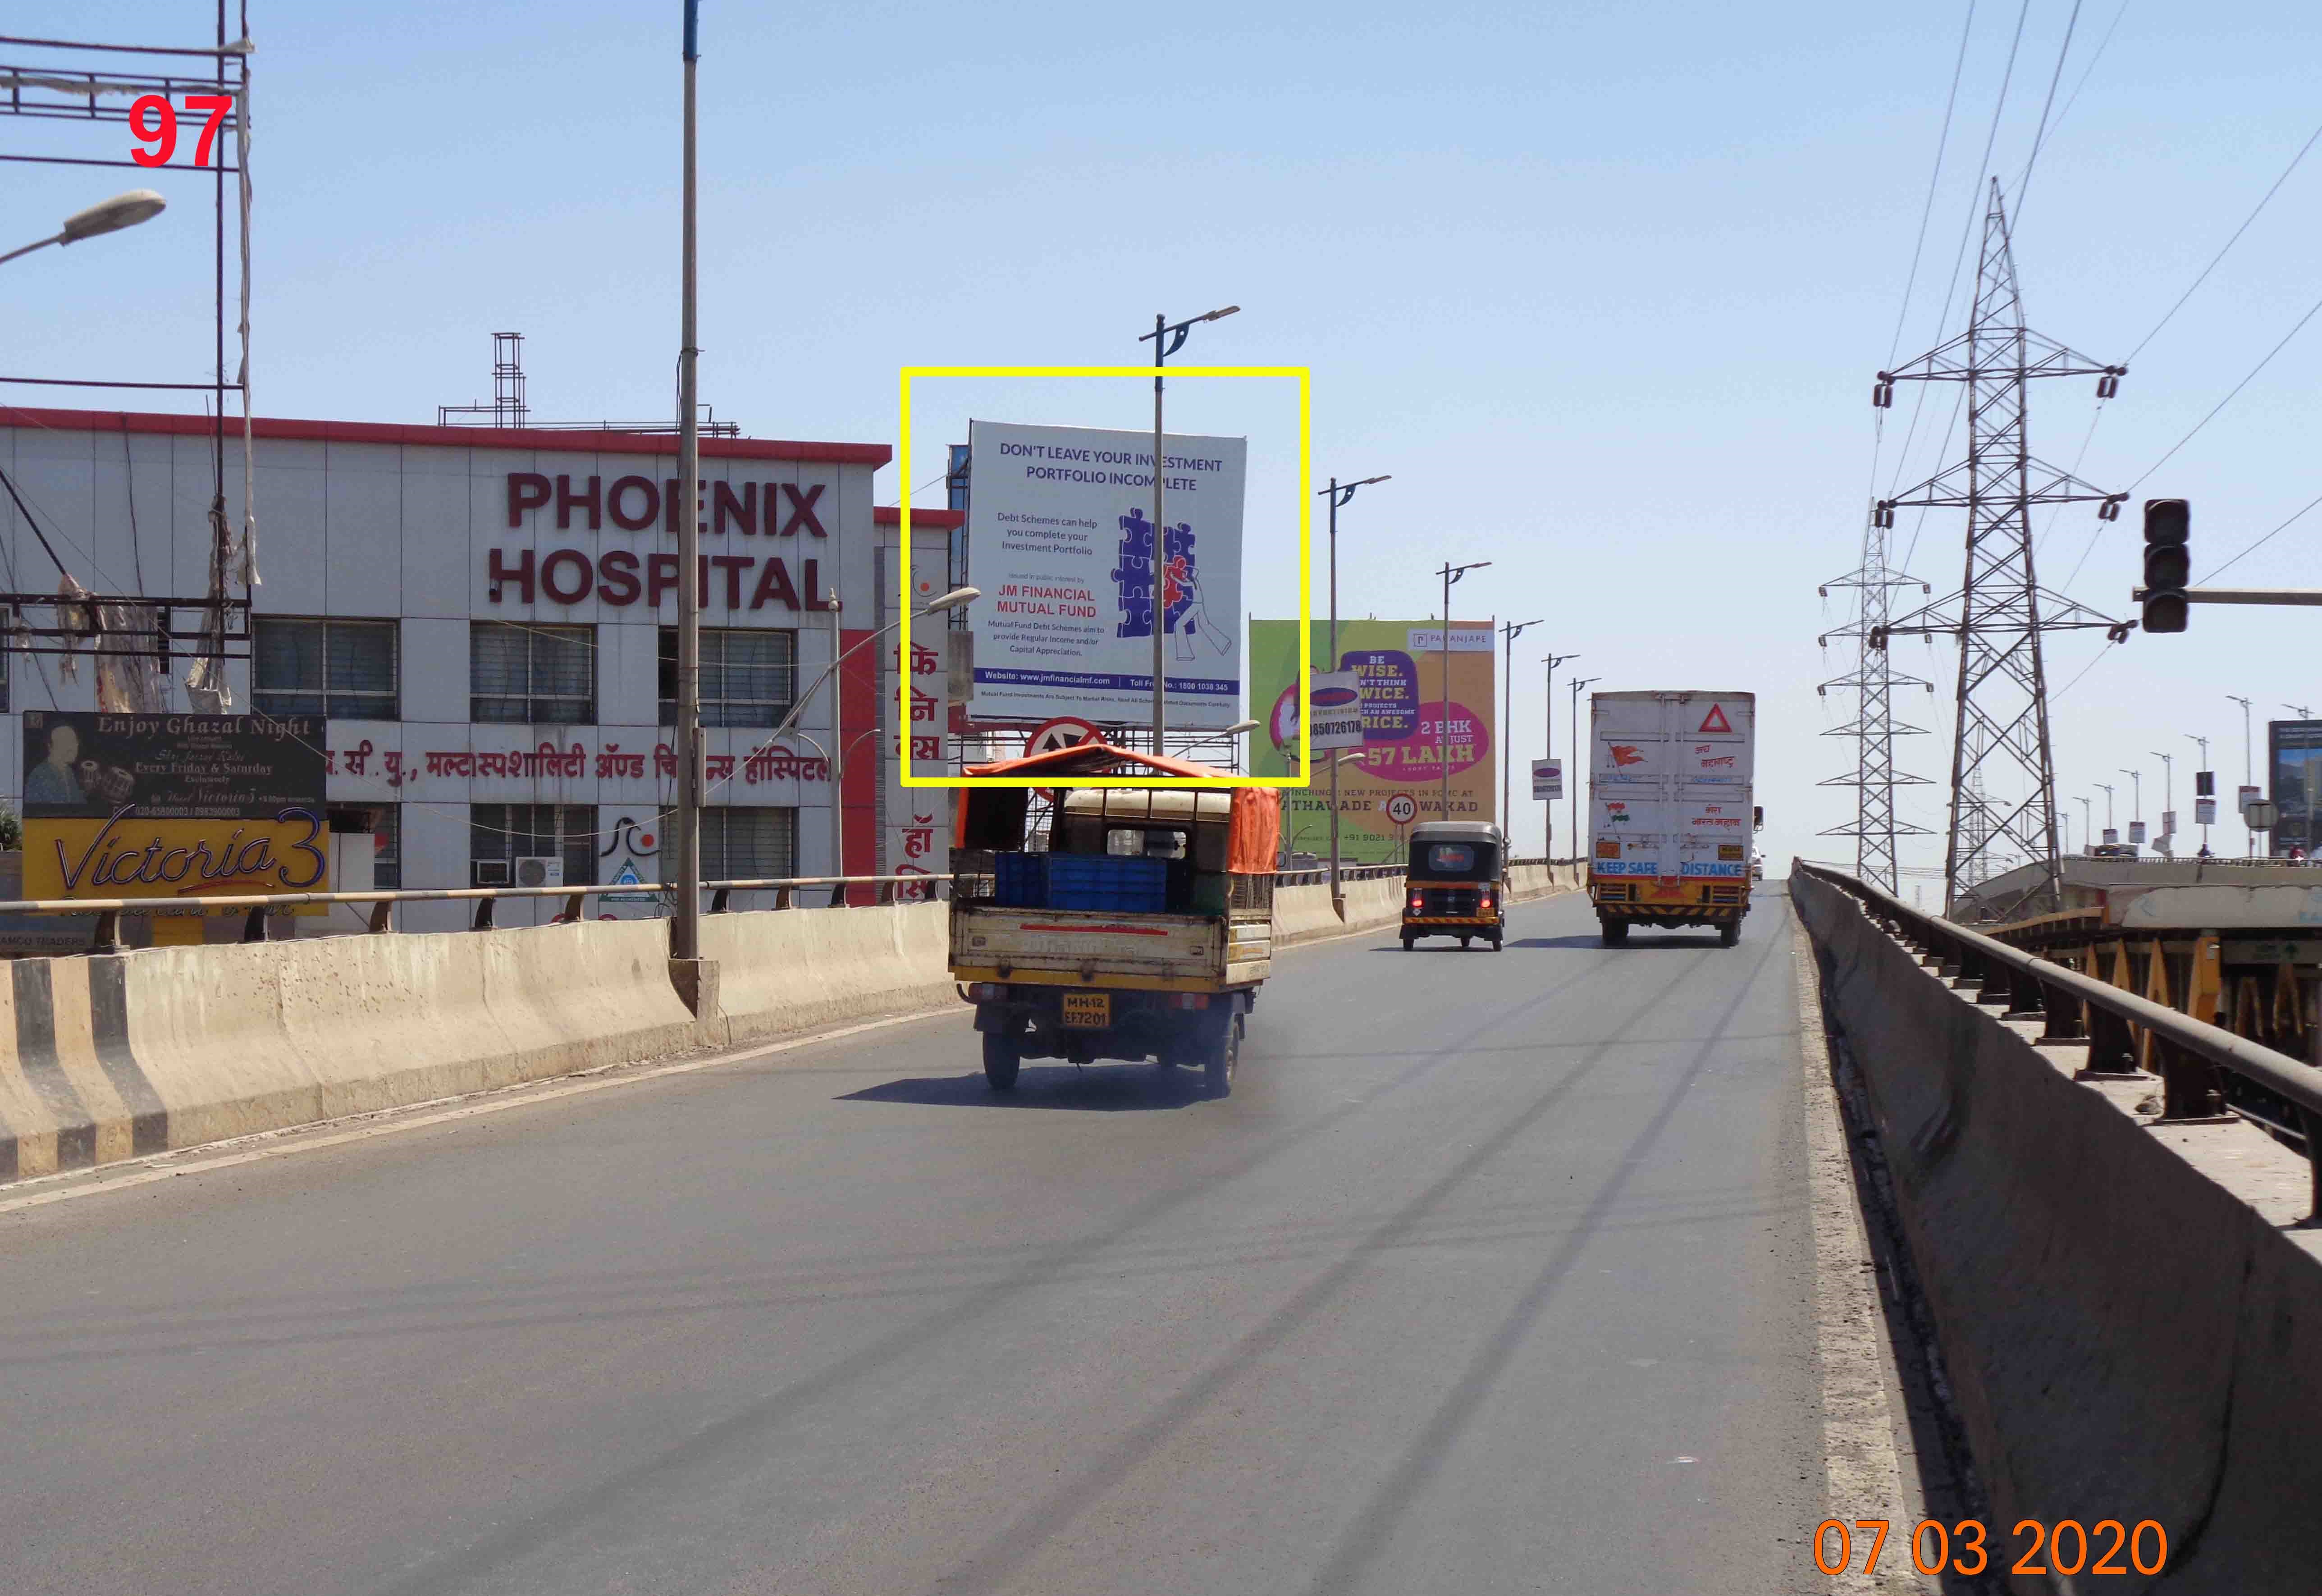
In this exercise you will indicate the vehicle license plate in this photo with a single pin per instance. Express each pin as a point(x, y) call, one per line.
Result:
point(1090, 1009)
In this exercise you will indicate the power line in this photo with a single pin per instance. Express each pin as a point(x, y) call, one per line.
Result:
point(2312, 310)
point(2235, 239)
point(2023, 182)
point(2262, 542)
point(1942, 143)
point(2089, 71)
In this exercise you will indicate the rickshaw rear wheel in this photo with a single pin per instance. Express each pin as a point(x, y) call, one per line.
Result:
point(1407, 942)
point(1003, 1056)
point(1225, 1052)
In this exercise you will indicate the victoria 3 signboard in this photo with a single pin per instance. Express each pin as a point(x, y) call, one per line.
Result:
point(145, 806)
point(1398, 665)
point(1060, 520)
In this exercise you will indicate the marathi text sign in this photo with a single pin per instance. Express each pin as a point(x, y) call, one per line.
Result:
point(1072, 584)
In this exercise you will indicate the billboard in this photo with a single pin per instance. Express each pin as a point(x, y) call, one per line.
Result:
point(2294, 756)
point(1060, 520)
point(1548, 779)
point(135, 806)
point(1406, 731)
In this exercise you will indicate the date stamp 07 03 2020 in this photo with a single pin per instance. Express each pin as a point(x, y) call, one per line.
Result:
point(2068, 1547)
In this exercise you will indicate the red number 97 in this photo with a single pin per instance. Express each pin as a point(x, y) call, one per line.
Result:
point(164, 132)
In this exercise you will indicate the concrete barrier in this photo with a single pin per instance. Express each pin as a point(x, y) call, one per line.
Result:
point(2126, 1338)
point(117, 1056)
point(126, 1054)
point(794, 969)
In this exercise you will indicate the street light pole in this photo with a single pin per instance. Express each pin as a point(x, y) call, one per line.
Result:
point(1548, 805)
point(2168, 800)
point(2196, 797)
point(2249, 847)
point(2137, 795)
point(1572, 771)
point(1450, 573)
point(1167, 339)
point(2088, 823)
point(685, 929)
point(2110, 830)
point(107, 215)
point(1511, 631)
point(1337, 496)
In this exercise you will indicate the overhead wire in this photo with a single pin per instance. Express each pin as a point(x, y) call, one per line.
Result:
point(2262, 542)
point(2229, 243)
point(2040, 134)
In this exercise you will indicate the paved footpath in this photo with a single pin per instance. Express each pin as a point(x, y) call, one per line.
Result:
point(1494, 1274)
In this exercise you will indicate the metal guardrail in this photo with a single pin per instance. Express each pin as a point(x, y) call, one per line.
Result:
point(257, 906)
point(2199, 1064)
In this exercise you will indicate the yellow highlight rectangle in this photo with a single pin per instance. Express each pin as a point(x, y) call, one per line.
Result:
point(1305, 608)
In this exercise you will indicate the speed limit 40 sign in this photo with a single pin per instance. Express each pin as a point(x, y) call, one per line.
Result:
point(1401, 808)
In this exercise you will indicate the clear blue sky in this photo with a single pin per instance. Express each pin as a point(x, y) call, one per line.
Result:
point(1602, 285)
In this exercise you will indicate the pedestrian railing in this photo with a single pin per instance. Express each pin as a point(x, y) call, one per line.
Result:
point(257, 906)
point(789, 891)
point(2204, 1069)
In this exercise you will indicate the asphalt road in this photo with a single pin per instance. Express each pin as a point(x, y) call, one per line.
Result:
point(1493, 1274)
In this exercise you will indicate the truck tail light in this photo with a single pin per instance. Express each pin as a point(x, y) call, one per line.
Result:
point(986, 991)
point(1193, 1000)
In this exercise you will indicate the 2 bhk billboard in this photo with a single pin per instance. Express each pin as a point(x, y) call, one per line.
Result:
point(1061, 522)
point(1410, 725)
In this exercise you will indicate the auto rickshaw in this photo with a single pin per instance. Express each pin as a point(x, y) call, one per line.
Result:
point(1456, 882)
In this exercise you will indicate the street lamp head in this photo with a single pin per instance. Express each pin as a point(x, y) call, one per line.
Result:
point(1353, 757)
point(1239, 727)
point(959, 598)
point(1220, 315)
point(111, 216)
point(1366, 481)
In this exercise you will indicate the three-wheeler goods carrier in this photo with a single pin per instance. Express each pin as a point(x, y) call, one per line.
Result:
point(1129, 922)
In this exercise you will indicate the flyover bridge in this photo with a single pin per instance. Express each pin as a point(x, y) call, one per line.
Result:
point(1535, 1270)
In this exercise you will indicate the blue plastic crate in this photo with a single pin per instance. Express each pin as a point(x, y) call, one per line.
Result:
point(1112, 883)
point(1022, 880)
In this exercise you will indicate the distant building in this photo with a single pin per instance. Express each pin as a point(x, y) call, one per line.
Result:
point(485, 617)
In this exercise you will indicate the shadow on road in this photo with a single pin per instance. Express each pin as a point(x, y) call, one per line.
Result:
point(1635, 942)
point(1104, 1088)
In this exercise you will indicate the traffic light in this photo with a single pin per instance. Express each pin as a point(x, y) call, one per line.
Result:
point(2168, 564)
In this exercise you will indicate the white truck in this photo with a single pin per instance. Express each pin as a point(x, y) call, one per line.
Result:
point(1672, 822)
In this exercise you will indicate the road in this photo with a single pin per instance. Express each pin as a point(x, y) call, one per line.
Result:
point(1494, 1274)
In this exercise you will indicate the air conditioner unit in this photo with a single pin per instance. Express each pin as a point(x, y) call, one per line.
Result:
point(540, 872)
point(491, 872)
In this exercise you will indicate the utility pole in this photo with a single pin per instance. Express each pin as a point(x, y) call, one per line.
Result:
point(1572, 772)
point(1337, 496)
point(2003, 803)
point(2204, 742)
point(1450, 573)
point(2136, 802)
point(1511, 631)
point(685, 929)
point(1167, 339)
point(2110, 830)
point(2088, 823)
point(1547, 743)
point(2248, 779)
point(2168, 802)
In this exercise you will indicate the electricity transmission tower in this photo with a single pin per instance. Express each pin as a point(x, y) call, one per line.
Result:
point(1874, 727)
point(2003, 802)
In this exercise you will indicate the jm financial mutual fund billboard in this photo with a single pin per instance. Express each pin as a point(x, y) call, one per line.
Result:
point(1399, 666)
point(143, 806)
point(1060, 523)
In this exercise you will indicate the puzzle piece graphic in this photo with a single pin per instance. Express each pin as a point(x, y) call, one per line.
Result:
point(1132, 577)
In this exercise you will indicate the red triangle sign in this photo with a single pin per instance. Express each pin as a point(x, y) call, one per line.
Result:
point(1716, 721)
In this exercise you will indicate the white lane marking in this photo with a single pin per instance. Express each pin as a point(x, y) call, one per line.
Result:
point(395, 1121)
point(1863, 1477)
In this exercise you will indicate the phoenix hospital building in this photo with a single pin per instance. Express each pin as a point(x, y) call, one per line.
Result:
point(486, 619)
